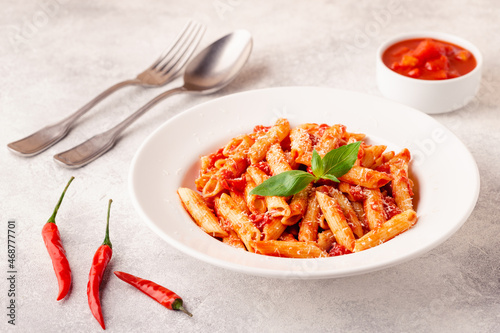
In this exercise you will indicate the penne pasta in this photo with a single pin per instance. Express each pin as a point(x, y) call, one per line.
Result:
point(308, 230)
point(336, 220)
point(348, 210)
point(360, 213)
point(234, 167)
point(201, 214)
point(301, 146)
point(353, 192)
point(274, 229)
point(372, 156)
point(238, 219)
point(239, 200)
point(277, 160)
point(387, 231)
point(277, 206)
point(276, 134)
point(366, 177)
point(373, 207)
point(298, 206)
point(401, 184)
point(331, 139)
point(256, 204)
point(287, 236)
point(233, 240)
point(238, 145)
point(326, 239)
point(289, 249)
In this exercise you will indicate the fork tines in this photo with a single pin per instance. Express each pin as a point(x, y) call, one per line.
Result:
point(175, 57)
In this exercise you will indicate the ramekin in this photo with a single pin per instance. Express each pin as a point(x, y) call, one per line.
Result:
point(429, 96)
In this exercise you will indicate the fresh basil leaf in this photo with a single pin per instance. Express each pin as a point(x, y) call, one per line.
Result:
point(317, 164)
point(339, 161)
point(330, 177)
point(284, 184)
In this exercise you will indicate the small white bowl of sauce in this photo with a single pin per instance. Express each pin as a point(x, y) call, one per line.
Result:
point(429, 71)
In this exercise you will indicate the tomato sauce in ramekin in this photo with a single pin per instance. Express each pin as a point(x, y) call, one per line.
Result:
point(428, 59)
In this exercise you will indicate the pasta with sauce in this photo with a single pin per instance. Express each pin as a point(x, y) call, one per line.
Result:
point(370, 205)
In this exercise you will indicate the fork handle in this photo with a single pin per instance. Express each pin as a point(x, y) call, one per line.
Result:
point(49, 135)
point(99, 144)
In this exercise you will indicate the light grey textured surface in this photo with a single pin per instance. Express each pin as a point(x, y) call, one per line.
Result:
point(56, 55)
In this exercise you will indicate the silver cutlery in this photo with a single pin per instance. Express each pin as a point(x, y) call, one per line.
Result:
point(209, 71)
point(164, 69)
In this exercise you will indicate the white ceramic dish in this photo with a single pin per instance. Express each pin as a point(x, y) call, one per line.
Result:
point(444, 171)
point(429, 96)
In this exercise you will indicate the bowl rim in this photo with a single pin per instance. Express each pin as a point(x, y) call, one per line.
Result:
point(438, 35)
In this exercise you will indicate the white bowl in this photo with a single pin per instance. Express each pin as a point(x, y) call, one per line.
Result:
point(430, 96)
point(169, 159)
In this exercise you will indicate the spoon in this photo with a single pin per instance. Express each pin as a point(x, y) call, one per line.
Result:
point(211, 70)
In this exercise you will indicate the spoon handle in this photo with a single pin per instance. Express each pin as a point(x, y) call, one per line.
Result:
point(99, 144)
point(51, 134)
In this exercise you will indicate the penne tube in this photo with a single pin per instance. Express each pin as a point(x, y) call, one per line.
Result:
point(353, 192)
point(336, 220)
point(276, 134)
point(366, 177)
point(387, 156)
point(274, 229)
point(291, 161)
point(298, 206)
point(238, 145)
point(401, 184)
point(201, 214)
point(289, 249)
point(239, 199)
point(325, 240)
point(360, 213)
point(390, 229)
point(401, 187)
point(403, 156)
point(276, 160)
point(308, 230)
point(202, 181)
point(238, 219)
point(348, 210)
point(233, 240)
point(353, 136)
point(233, 168)
point(207, 163)
point(331, 139)
point(276, 206)
point(288, 237)
point(372, 156)
point(255, 203)
point(301, 146)
point(322, 222)
point(373, 207)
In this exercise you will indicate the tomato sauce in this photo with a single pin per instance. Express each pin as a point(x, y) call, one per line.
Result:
point(429, 59)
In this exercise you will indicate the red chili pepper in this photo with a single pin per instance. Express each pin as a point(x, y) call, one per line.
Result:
point(52, 240)
point(99, 263)
point(162, 295)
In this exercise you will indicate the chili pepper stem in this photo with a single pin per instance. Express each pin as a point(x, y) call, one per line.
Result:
point(185, 311)
point(106, 238)
point(52, 219)
point(177, 305)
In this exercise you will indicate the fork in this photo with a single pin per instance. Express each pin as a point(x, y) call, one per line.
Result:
point(163, 70)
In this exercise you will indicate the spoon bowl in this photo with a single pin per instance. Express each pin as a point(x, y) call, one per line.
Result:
point(217, 65)
point(209, 71)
